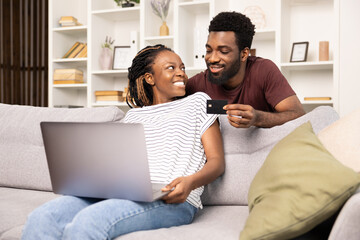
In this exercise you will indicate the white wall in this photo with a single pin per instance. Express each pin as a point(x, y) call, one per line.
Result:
point(349, 82)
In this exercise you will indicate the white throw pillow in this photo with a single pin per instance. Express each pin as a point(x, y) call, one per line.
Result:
point(342, 140)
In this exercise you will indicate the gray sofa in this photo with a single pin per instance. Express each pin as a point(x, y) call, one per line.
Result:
point(25, 182)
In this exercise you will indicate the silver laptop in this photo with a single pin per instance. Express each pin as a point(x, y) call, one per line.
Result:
point(99, 160)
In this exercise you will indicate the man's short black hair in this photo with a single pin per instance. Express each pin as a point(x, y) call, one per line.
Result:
point(235, 22)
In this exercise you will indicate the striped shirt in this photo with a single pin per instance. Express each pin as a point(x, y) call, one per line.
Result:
point(173, 134)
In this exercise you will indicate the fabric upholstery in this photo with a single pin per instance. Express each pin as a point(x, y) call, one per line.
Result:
point(247, 149)
point(299, 185)
point(347, 223)
point(15, 205)
point(22, 155)
point(342, 139)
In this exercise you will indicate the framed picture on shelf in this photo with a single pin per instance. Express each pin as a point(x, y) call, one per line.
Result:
point(299, 51)
point(122, 57)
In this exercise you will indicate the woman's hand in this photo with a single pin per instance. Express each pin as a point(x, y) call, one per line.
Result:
point(182, 186)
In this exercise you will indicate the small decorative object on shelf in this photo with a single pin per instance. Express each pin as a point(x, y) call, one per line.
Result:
point(256, 15)
point(111, 95)
point(122, 57)
point(324, 51)
point(126, 3)
point(106, 57)
point(253, 52)
point(68, 76)
point(317, 98)
point(69, 21)
point(161, 9)
point(299, 52)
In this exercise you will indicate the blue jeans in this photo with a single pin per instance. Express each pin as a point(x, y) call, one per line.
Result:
point(70, 217)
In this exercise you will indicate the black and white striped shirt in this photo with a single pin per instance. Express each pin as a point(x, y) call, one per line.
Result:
point(173, 134)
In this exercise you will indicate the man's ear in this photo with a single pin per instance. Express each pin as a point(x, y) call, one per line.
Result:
point(149, 79)
point(244, 54)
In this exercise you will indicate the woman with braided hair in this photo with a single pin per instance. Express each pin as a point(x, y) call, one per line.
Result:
point(185, 152)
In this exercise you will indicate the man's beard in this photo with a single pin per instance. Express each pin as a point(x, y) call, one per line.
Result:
point(223, 77)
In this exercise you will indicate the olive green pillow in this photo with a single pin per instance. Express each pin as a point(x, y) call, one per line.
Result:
point(299, 185)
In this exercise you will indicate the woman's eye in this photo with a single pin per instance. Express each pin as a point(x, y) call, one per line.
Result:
point(183, 68)
point(171, 67)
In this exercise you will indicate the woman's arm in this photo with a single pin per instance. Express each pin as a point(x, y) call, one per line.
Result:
point(213, 168)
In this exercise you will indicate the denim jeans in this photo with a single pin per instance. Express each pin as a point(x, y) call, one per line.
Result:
point(70, 217)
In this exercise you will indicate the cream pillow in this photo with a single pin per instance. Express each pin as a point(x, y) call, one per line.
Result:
point(342, 140)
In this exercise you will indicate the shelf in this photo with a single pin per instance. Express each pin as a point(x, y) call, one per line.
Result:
point(71, 29)
point(159, 38)
point(198, 7)
point(111, 73)
point(64, 60)
point(326, 65)
point(121, 14)
point(328, 102)
point(80, 85)
point(264, 34)
point(102, 104)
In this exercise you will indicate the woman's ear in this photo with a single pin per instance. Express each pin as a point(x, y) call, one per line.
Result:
point(149, 79)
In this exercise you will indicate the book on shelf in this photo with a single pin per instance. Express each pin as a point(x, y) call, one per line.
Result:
point(82, 53)
point(317, 98)
point(77, 50)
point(71, 50)
point(68, 81)
point(110, 98)
point(69, 21)
point(108, 93)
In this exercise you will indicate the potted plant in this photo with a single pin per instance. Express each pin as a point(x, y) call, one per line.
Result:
point(126, 3)
point(161, 9)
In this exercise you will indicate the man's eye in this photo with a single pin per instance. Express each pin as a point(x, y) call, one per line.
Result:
point(183, 69)
point(171, 67)
point(224, 52)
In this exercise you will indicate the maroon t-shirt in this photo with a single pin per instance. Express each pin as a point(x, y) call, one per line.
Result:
point(263, 86)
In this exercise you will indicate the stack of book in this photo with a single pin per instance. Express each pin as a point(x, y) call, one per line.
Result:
point(78, 50)
point(68, 21)
point(68, 76)
point(109, 96)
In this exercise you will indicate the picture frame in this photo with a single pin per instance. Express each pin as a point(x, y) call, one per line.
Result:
point(122, 57)
point(299, 52)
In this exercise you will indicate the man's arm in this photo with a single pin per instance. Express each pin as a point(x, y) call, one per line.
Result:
point(286, 110)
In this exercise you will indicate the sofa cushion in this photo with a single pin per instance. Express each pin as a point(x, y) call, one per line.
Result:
point(22, 155)
point(210, 223)
point(299, 185)
point(246, 150)
point(15, 205)
point(340, 139)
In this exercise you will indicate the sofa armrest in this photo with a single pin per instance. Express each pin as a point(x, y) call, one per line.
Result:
point(347, 223)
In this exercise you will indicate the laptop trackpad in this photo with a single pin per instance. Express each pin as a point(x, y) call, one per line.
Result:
point(157, 193)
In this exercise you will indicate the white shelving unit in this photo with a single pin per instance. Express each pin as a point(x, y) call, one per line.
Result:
point(287, 21)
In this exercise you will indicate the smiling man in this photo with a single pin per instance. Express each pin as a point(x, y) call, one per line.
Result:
point(257, 93)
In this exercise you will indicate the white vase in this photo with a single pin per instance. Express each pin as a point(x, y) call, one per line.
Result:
point(106, 59)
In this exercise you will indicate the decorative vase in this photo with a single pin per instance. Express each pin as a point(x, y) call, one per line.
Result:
point(106, 59)
point(164, 29)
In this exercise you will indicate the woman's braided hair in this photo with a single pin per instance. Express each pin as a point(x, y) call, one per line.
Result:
point(140, 93)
